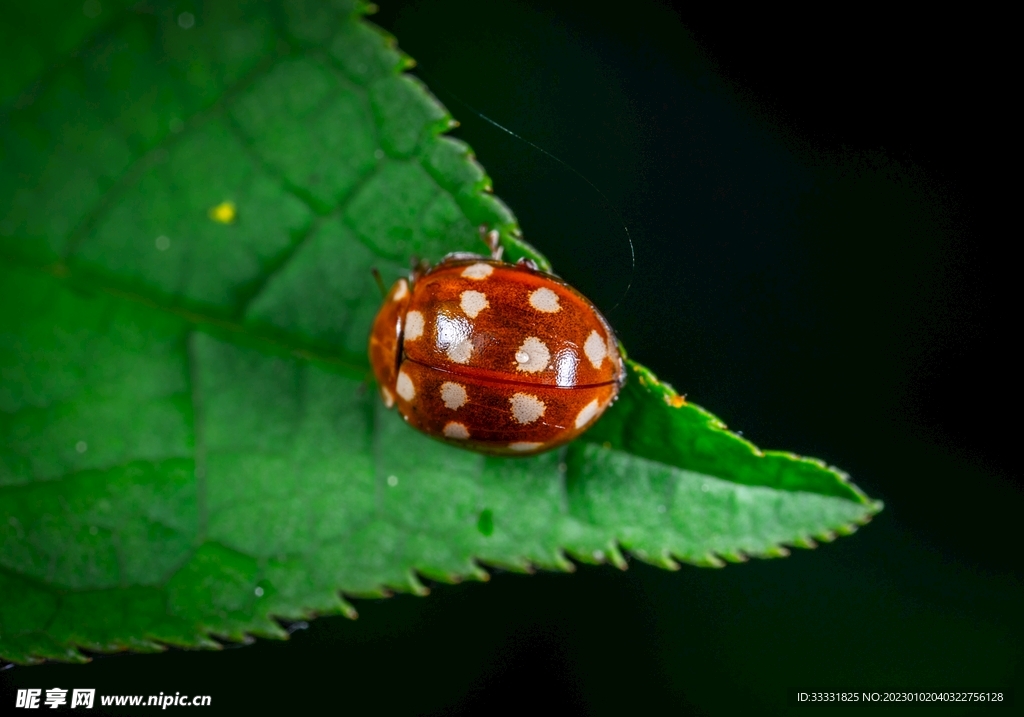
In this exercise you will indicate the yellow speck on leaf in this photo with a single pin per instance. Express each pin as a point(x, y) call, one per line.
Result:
point(224, 213)
point(675, 400)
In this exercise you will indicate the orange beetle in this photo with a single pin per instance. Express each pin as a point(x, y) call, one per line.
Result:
point(495, 357)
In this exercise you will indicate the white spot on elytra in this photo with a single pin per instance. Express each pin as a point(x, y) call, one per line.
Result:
point(81, 446)
point(533, 355)
point(413, 325)
point(453, 395)
point(473, 302)
point(460, 352)
point(545, 300)
point(404, 386)
point(586, 414)
point(478, 271)
point(401, 291)
point(523, 446)
point(454, 429)
point(526, 408)
point(595, 348)
point(387, 397)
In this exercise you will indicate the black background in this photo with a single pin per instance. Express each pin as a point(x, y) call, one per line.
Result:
point(819, 210)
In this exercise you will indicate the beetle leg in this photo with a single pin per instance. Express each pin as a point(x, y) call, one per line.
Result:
point(419, 268)
point(493, 241)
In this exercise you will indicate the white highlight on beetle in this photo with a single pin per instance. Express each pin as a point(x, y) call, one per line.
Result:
point(405, 387)
point(526, 408)
point(453, 337)
point(595, 349)
point(473, 302)
point(523, 446)
point(545, 300)
point(413, 325)
point(453, 395)
point(533, 355)
point(478, 271)
point(389, 399)
point(565, 368)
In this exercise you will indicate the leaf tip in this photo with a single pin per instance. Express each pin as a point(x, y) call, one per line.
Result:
point(563, 563)
point(804, 541)
point(708, 560)
point(659, 560)
point(826, 536)
point(775, 551)
point(616, 558)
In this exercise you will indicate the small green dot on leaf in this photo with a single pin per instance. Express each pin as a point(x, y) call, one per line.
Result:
point(485, 523)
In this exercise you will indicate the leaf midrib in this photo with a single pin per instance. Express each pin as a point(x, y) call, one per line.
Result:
point(216, 325)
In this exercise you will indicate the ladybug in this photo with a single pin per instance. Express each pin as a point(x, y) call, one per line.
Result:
point(494, 357)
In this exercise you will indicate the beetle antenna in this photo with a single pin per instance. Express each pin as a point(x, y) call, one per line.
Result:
point(380, 282)
point(607, 202)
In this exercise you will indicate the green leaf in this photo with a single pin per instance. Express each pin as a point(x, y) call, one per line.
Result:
point(191, 445)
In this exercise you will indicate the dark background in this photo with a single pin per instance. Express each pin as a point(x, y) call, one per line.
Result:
point(818, 207)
